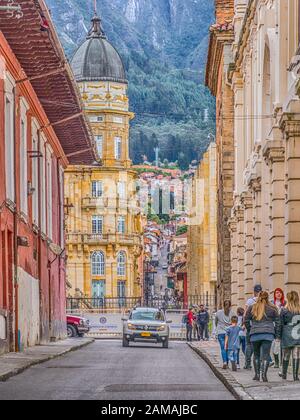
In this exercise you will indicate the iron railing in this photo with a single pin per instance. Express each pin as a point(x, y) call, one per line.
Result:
point(102, 303)
point(84, 303)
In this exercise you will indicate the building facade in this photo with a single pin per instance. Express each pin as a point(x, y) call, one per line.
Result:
point(202, 230)
point(265, 80)
point(104, 221)
point(34, 151)
point(218, 63)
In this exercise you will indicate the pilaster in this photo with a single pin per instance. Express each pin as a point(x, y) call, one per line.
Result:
point(274, 155)
point(247, 203)
point(291, 129)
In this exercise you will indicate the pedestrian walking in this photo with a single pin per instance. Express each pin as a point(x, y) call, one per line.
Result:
point(263, 326)
point(189, 320)
point(232, 342)
point(202, 322)
point(222, 322)
point(195, 325)
point(242, 335)
point(249, 347)
point(280, 302)
point(290, 335)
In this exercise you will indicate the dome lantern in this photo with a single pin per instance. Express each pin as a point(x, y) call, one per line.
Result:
point(96, 59)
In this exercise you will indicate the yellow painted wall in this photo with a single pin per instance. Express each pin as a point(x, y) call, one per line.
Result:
point(202, 231)
point(106, 105)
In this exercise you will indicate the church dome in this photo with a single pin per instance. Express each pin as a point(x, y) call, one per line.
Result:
point(96, 59)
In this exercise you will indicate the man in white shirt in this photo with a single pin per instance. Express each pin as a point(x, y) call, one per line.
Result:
point(249, 348)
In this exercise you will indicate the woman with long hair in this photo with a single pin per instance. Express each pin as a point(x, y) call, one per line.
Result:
point(290, 334)
point(223, 322)
point(263, 325)
point(280, 302)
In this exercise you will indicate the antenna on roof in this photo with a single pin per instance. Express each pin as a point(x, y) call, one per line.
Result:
point(95, 7)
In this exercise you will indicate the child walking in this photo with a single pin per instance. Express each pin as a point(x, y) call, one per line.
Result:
point(232, 342)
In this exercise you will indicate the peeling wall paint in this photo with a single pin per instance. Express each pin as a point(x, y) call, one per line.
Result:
point(29, 318)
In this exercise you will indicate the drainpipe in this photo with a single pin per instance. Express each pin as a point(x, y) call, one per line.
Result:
point(15, 228)
point(40, 231)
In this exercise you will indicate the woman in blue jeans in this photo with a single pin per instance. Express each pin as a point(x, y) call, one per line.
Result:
point(223, 321)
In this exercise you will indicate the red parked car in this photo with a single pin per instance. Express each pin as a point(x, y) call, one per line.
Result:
point(77, 326)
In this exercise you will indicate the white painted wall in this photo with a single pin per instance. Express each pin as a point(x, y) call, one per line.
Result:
point(29, 316)
point(2, 327)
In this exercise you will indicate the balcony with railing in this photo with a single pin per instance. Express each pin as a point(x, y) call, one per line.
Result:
point(103, 239)
point(93, 202)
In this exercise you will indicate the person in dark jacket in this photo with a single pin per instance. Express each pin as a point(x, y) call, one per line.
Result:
point(290, 335)
point(189, 319)
point(202, 322)
point(262, 322)
point(280, 302)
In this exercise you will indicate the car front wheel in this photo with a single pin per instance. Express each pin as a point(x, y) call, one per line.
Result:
point(166, 344)
point(71, 331)
point(125, 342)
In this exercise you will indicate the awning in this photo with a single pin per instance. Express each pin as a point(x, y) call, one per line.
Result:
point(34, 41)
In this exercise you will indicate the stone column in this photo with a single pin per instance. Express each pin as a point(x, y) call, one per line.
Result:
point(247, 203)
point(257, 227)
point(241, 255)
point(274, 153)
point(234, 260)
point(292, 205)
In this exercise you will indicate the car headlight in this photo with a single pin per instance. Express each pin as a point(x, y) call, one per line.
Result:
point(162, 328)
point(130, 326)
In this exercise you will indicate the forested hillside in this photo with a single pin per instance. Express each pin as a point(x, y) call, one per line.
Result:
point(163, 44)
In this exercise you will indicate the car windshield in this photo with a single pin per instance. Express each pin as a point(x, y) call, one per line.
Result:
point(147, 316)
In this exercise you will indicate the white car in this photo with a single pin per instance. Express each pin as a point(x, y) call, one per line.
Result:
point(146, 324)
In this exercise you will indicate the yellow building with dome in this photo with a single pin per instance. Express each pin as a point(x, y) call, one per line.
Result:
point(104, 229)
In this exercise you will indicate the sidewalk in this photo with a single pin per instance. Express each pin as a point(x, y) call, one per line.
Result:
point(12, 364)
point(241, 384)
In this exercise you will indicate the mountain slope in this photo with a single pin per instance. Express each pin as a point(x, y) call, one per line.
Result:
point(163, 44)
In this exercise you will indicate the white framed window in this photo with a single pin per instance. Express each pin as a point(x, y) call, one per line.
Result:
point(118, 148)
point(118, 120)
point(97, 225)
point(121, 264)
point(99, 145)
point(62, 213)
point(121, 224)
point(97, 189)
point(98, 263)
point(122, 190)
point(35, 173)
point(23, 157)
point(49, 191)
point(43, 185)
point(96, 118)
point(9, 148)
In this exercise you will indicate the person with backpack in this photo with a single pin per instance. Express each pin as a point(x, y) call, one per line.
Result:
point(290, 335)
point(249, 347)
point(232, 342)
point(202, 322)
point(262, 322)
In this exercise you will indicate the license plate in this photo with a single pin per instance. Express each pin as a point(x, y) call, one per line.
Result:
point(145, 335)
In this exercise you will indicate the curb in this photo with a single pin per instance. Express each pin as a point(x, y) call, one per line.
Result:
point(17, 371)
point(233, 386)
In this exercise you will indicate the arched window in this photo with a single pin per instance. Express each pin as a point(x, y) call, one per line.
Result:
point(121, 264)
point(98, 263)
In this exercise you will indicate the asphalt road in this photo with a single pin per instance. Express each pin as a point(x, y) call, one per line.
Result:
point(106, 371)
